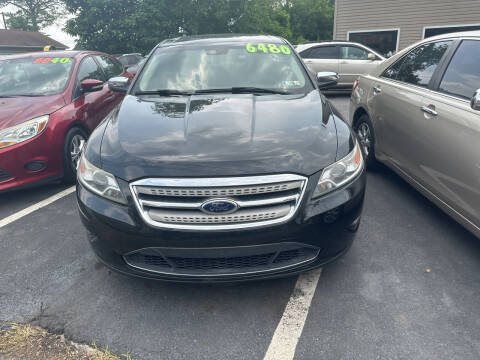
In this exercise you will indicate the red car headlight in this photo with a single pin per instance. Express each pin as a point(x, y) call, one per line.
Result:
point(22, 132)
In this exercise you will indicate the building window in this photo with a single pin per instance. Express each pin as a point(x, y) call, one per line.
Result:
point(439, 30)
point(385, 42)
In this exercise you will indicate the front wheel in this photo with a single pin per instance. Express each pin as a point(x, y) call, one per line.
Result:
point(366, 137)
point(72, 149)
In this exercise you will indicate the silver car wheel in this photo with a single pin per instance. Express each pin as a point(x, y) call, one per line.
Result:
point(76, 147)
point(365, 137)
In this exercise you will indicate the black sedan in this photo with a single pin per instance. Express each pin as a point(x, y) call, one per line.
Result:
point(223, 162)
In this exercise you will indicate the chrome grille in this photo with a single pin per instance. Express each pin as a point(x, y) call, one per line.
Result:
point(201, 192)
point(176, 203)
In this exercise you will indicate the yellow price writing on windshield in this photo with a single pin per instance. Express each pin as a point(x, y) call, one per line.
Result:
point(268, 48)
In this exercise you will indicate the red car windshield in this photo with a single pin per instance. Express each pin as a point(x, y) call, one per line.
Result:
point(34, 76)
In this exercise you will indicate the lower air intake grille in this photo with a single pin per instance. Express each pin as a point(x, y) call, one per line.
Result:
point(4, 175)
point(210, 261)
point(291, 254)
point(238, 262)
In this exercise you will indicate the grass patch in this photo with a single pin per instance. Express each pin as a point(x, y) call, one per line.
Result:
point(29, 342)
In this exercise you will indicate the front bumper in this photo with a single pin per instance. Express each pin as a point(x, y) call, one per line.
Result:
point(42, 154)
point(324, 227)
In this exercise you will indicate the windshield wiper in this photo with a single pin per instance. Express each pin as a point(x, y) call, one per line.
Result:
point(243, 90)
point(233, 90)
point(165, 92)
point(19, 95)
point(28, 95)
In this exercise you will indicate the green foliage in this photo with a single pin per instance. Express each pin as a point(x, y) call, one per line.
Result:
point(122, 26)
point(18, 21)
point(32, 15)
point(311, 20)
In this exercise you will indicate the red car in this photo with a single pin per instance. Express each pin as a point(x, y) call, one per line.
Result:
point(49, 103)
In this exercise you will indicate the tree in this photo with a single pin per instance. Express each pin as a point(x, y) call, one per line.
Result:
point(120, 26)
point(107, 25)
point(263, 17)
point(311, 20)
point(32, 15)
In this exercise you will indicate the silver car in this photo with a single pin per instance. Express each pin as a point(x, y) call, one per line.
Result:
point(347, 59)
point(419, 113)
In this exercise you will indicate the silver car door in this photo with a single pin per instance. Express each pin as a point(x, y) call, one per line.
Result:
point(321, 58)
point(397, 100)
point(450, 128)
point(354, 62)
point(395, 109)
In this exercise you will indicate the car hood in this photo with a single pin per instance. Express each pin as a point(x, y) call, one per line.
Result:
point(16, 110)
point(219, 135)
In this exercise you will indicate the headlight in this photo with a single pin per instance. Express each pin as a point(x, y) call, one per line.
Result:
point(340, 173)
point(27, 130)
point(98, 181)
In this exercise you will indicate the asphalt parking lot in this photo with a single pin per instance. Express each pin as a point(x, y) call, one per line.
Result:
point(377, 302)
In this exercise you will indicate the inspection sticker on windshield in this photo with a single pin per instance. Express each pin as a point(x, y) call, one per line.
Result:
point(46, 60)
point(268, 48)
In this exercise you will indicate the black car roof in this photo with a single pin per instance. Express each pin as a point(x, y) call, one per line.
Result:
point(221, 38)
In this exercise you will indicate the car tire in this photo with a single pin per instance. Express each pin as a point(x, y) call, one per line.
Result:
point(72, 147)
point(364, 130)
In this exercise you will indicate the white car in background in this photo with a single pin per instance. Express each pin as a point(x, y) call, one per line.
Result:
point(348, 59)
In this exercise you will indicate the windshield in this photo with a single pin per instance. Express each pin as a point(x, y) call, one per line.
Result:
point(200, 68)
point(34, 76)
point(129, 60)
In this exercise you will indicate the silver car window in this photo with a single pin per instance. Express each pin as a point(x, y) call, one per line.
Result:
point(320, 52)
point(418, 66)
point(392, 71)
point(462, 77)
point(353, 53)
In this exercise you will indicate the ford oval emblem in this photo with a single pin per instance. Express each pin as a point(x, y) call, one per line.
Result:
point(219, 206)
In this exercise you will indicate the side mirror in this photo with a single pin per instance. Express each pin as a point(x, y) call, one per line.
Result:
point(371, 56)
point(327, 79)
point(119, 83)
point(132, 70)
point(475, 102)
point(91, 85)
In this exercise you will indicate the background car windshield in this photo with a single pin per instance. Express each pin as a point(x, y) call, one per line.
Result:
point(34, 76)
point(129, 60)
point(189, 68)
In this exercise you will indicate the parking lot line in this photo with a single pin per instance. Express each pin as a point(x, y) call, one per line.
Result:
point(35, 207)
point(290, 327)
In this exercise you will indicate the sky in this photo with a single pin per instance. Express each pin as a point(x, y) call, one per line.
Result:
point(54, 31)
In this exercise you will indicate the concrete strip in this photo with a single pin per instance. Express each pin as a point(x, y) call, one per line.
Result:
point(289, 329)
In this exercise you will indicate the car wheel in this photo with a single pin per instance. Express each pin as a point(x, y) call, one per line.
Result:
point(72, 149)
point(366, 137)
